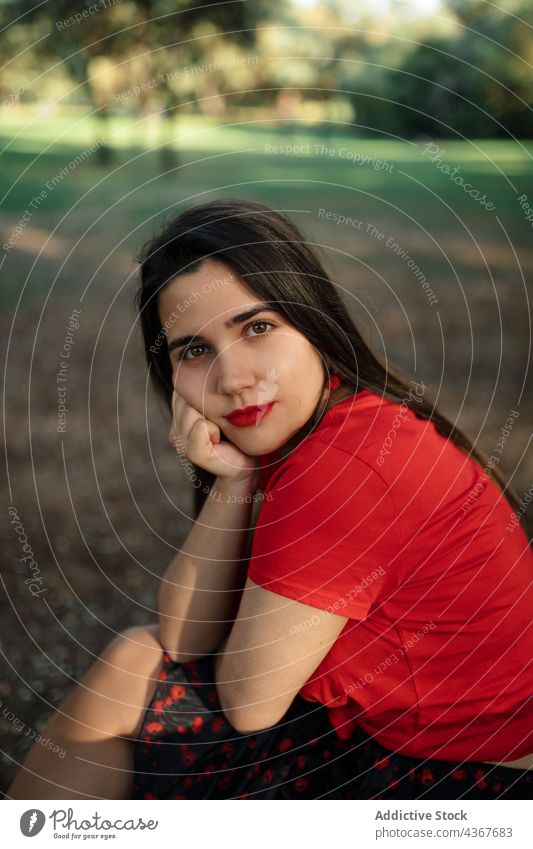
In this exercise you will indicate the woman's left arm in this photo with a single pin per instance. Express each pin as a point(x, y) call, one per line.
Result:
point(274, 646)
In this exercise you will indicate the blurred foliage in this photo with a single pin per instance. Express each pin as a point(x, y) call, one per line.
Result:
point(96, 51)
point(464, 70)
point(472, 80)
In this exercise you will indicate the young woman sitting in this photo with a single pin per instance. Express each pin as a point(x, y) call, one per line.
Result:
point(350, 614)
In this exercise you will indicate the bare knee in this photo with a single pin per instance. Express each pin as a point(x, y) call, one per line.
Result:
point(135, 649)
point(125, 676)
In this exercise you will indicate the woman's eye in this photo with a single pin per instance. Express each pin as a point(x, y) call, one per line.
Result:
point(192, 348)
point(260, 324)
point(188, 351)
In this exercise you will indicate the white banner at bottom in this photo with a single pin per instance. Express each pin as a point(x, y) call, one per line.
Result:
point(221, 824)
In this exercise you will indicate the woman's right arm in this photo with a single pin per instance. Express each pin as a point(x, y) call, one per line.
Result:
point(200, 591)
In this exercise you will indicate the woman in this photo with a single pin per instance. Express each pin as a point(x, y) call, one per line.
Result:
point(371, 636)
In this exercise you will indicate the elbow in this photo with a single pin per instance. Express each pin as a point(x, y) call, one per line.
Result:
point(246, 723)
point(244, 716)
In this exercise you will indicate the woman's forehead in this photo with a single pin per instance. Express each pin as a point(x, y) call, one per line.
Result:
point(213, 294)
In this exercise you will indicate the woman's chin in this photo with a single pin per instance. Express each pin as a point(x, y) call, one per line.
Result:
point(255, 444)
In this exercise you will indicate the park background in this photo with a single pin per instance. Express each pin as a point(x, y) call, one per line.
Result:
point(116, 115)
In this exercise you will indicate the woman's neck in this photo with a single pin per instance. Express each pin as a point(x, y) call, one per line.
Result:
point(327, 401)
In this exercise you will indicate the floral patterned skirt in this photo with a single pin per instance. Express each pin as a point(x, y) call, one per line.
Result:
point(188, 750)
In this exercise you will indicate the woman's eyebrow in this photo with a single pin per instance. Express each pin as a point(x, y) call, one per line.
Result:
point(231, 322)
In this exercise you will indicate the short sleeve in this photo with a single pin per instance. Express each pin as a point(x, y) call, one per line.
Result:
point(327, 534)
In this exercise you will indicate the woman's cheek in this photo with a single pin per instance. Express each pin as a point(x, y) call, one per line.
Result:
point(183, 384)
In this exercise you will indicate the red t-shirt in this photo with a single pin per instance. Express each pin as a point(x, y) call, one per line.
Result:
point(368, 518)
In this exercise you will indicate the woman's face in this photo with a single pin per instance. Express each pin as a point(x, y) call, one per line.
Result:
point(232, 361)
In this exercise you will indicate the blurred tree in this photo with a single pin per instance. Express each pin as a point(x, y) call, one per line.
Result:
point(474, 81)
point(466, 70)
point(132, 54)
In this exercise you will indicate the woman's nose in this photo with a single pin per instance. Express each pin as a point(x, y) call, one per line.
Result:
point(234, 372)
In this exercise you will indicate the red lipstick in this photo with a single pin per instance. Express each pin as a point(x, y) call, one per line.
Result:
point(250, 415)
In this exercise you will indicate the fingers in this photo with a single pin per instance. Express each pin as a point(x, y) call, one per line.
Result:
point(186, 431)
point(200, 440)
point(178, 408)
point(176, 415)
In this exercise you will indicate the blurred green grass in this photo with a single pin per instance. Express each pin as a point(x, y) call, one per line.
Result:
point(118, 204)
point(214, 156)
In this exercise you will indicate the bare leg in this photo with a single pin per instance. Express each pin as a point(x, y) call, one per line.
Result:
point(92, 724)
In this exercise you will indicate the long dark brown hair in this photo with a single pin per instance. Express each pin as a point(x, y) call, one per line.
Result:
point(266, 249)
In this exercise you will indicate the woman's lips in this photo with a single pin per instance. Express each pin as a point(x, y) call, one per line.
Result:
point(255, 415)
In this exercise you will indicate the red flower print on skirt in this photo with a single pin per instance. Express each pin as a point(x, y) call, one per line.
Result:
point(197, 724)
point(227, 749)
point(188, 750)
point(427, 778)
point(224, 782)
point(480, 779)
point(177, 692)
point(154, 727)
point(268, 775)
point(188, 758)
